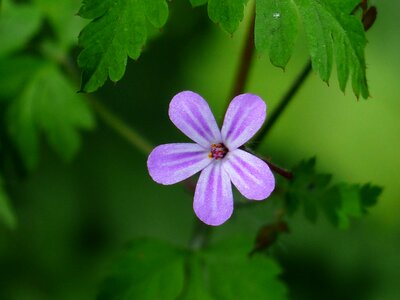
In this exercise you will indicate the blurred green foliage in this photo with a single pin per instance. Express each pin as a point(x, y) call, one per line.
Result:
point(74, 218)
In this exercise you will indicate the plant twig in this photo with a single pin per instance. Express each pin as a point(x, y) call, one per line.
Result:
point(285, 101)
point(128, 133)
point(284, 173)
point(245, 60)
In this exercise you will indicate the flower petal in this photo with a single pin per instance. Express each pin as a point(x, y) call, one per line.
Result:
point(252, 176)
point(244, 117)
point(192, 115)
point(213, 200)
point(171, 163)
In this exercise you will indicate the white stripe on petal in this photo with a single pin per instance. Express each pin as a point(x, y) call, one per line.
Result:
point(192, 115)
point(252, 176)
point(171, 163)
point(213, 200)
point(245, 115)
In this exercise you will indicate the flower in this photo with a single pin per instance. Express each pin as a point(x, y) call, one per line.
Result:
point(215, 153)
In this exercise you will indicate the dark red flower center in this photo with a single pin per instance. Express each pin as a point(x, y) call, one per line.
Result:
point(218, 151)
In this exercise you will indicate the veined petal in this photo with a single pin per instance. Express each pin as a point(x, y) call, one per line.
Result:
point(252, 176)
point(171, 163)
point(213, 200)
point(244, 117)
point(192, 115)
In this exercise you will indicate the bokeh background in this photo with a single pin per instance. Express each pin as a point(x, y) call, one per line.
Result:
point(73, 218)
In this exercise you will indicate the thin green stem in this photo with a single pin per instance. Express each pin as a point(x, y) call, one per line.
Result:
point(107, 116)
point(283, 104)
point(126, 132)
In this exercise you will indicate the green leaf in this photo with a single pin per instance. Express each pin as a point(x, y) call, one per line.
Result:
point(355, 200)
point(65, 23)
point(14, 73)
point(196, 287)
point(198, 2)
point(307, 188)
point(227, 13)
point(276, 29)
point(330, 28)
point(18, 24)
point(119, 29)
point(340, 202)
point(147, 270)
point(226, 272)
point(48, 104)
point(6, 213)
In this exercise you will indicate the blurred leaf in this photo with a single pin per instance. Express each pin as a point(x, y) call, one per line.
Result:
point(227, 13)
point(306, 188)
point(14, 73)
point(226, 272)
point(47, 103)
point(18, 23)
point(148, 269)
point(64, 21)
point(276, 29)
point(339, 202)
point(6, 213)
point(119, 29)
point(151, 269)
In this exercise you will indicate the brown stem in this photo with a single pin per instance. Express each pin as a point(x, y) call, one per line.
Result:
point(245, 60)
point(283, 172)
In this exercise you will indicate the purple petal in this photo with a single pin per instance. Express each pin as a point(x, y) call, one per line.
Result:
point(171, 163)
point(213, 200)
point(252, 176)
point(192, 115)
point(244, 117)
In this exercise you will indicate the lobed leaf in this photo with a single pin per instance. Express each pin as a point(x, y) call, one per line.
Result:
point(47, 104)
point(227, 13)
point(226, 272)
point(62, 16)
point(150, 269)
point(340, 202)
point(119, 29)
point(276, 29)
point(147, 270)
point(18, 24)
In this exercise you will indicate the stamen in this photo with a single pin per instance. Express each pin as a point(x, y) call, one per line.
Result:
point(218, 151)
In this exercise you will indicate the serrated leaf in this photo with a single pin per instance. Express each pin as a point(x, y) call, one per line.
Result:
point(147, 270)
point(18, 23)
point(47, 104)
point(119, 30)
point(7, 216)
point(340, 202)
point(227, 13)
point(330, 28)
point(276, 29)
point(318, 30)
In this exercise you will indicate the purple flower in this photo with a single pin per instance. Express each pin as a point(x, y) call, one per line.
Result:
point(215, 153)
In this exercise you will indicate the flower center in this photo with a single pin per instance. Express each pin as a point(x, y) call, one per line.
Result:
point(218, 151)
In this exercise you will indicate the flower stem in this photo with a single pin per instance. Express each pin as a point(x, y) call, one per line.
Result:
point(283, 104)
point(126, 132)
point(245, 60)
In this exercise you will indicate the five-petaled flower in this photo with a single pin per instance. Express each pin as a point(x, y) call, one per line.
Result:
point(216, 154)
